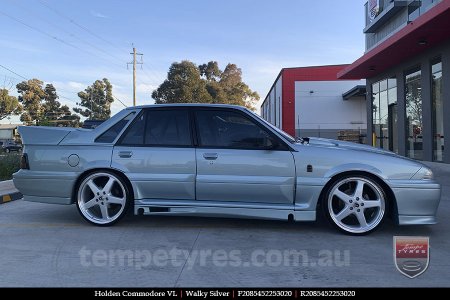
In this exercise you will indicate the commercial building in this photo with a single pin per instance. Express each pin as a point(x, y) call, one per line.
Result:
point(407, 69)
point(311, 101)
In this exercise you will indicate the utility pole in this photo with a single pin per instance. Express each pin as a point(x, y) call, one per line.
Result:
point(134, 63)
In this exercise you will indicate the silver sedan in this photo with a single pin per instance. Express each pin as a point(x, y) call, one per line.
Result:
point(223, 161)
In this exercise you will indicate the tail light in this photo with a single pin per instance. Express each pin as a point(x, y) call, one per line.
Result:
point(24, 162)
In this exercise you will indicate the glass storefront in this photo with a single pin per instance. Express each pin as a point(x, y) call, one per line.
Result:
point(414, 122)
point(384, 97)
point(438, 111)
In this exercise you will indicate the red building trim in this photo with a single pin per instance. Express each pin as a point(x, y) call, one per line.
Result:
point(290, 76)
point(427, 31)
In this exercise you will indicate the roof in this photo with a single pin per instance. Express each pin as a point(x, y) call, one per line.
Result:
point(9, 126)
point(427, 31)
point(186, 105)
point(356, 91)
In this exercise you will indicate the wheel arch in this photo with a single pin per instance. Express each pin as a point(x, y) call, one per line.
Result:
point(90, 171)
point(391, 200)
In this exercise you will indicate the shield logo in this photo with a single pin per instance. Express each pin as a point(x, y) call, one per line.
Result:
point(411, 255)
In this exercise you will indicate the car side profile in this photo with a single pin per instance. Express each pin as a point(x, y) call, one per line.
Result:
point(10, 146)
point(223, 161)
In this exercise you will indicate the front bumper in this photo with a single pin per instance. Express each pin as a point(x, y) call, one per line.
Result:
point(417, 201)
point(45, 187)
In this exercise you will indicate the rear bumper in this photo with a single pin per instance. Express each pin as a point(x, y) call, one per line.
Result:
point(45, 187)
point(417, 201)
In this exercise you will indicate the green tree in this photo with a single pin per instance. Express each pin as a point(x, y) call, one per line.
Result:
point(55, 114)
point(67, 118)
point(237, 92)
point(183, 85)
point(210, 70)
point(96, 100)
point(206, 83)
point(31, 96)
point(9, 105)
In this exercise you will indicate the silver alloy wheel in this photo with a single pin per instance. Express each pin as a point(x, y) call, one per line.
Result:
point(356, 204)
point(101, 198)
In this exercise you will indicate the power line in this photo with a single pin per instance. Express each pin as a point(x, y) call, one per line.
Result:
point(60, 96)
point(62, 40)
point(154, 76)
point(76, 23)
point(40, 31)
point(71, 34)
point(119, 101)
point(54, 37)
point(7, 69)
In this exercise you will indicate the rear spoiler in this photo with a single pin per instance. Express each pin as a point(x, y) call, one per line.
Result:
point(41, 135)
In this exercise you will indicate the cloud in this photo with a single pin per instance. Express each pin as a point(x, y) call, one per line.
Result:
point(98, 14)
point(145, 88)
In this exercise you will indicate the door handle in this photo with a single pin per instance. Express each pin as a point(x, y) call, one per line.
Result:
point(125, 154)
point(210, 156)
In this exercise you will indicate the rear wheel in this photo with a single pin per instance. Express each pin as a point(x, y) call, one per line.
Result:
point(355, 204)
point(7, 150)
point(103, 198)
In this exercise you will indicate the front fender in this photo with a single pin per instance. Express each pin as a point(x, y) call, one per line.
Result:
point(352, 167)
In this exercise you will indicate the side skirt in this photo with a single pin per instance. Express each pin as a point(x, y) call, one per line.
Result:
point(222, 210)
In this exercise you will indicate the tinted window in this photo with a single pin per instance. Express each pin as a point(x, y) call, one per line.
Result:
point(110, 135)
point(227, 129)
point(160, 128)
point(135, 135)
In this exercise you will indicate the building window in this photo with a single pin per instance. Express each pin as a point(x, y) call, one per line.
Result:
point(384, 106)
point(413, 98)
point(414, 10)
point(438, 111)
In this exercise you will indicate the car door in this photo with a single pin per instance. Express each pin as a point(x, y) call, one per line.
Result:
point(240, 160)
point(158, 156)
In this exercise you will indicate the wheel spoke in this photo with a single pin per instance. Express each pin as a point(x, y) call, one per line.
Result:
point(94, 188)
point(108, 185)
point(90, 203)
point(104, 211)
point(344, 213)
point(342, 196)
point(361, 219)
point(372, 203)
point(359, 189)
point(115, 200)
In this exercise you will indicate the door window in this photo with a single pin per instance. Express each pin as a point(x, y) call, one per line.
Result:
point(227, 129)
point(159, 128)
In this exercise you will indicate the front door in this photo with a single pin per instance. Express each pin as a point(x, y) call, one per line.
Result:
point(240, 160)
point(157, 155)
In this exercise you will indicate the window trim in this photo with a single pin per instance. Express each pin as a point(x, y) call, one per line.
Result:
point(283, 146)
point(144, 112)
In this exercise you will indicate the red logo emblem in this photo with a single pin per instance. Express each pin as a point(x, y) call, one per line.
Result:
point(411, 254)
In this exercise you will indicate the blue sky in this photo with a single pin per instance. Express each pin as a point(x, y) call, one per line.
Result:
point(73, 43)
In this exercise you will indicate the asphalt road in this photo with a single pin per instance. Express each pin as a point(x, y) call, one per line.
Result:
point(50, 245)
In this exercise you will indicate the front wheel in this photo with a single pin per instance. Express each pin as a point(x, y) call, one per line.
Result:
point(355, 204)
point(103, 198)
point(7, 150)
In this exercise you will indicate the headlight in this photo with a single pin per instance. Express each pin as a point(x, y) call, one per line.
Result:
point(424, 173)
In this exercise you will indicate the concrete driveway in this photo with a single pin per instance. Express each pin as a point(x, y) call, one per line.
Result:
point(49, 245)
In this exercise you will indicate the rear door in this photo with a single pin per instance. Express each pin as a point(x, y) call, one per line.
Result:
point(157, 154)
point(239, 160)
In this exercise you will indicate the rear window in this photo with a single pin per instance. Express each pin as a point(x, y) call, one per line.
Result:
point(111, 134)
